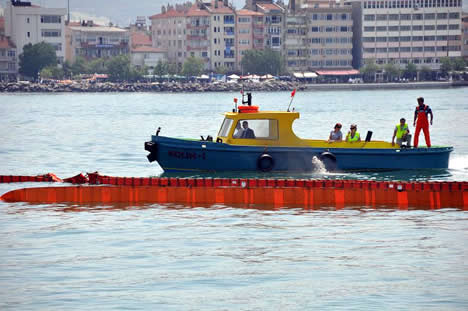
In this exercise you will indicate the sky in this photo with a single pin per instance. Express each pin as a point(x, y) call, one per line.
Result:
point(122, 12)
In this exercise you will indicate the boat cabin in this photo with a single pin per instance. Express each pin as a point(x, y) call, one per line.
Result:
point(247, 126)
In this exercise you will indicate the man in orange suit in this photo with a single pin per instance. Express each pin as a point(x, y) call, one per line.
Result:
point(421, 122)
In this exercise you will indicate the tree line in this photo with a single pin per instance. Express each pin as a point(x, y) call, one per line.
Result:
point(392, 71)
point(40, 61)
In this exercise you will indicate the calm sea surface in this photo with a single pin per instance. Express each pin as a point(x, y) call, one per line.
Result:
point(175, 257)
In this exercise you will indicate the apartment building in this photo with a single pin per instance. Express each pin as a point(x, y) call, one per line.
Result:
point(404, 31)
point(274, 22)
point(142, 52)
point(465, 36)
point(205, 30)
point(26, 23)
point(319, 36)
point(92, 41)
point(8, 59)
point(223, 35)
point(250, 34)
point(169, 33)
point(2, 25)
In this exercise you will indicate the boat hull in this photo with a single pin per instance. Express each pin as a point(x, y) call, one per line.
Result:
point(189, 155)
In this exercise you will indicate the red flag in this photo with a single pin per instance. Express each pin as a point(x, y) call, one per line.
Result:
point(293, 93)
point(235, 100)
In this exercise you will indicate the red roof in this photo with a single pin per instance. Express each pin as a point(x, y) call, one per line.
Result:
point(245, 12)
point(170, 13)
point(267, 7)
point(337, 72)
point(196, 11)
point(5, 43)
point(147, 49)
point(140, 38)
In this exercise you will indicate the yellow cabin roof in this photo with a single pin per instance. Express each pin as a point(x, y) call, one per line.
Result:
point(274, 128)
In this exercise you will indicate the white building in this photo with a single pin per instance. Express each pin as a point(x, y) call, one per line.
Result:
point(26, 23)
point(408, 31)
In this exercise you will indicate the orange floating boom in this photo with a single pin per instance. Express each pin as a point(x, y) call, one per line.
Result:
point(277, 192)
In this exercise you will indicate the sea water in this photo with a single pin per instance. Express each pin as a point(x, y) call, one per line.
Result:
point(176, 257)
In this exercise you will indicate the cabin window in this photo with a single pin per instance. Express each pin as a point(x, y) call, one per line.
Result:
point(259, 129)
point(223, 132)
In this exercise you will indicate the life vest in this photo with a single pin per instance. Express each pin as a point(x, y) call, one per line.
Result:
point(422, 113)
point(401, 131)
point(355, 138)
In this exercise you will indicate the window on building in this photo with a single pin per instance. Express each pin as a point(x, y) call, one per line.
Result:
point(381, 28)
point(51, 19)
point(28, 34)
point(369, 17)
point(405, 17)
point(382, 17)
point(454, 27)
point(27, 20)
point(429, 16)
point(442, 27)
point(454, 15)
point(369, 28)
point(417, 27)
point(275, 41)
point(442, 15)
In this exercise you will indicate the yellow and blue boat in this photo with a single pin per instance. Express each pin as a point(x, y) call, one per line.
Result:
point(273, 146)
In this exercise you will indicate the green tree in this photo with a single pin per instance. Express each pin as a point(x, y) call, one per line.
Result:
point(445, 65)
point(391, 71)
point(410, 71)
point(369, 70)
point(172, 68)
point(79, 66)
point(98, 65)
point(425, 73)
point(458, 64)
point(262, 62)
point(119, 68)
point(193, 66)
point(52, 72)
point(67, 69)
point(35, 57)
point(160, 69)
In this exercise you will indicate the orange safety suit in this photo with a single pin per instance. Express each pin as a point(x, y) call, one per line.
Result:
point(422, 122)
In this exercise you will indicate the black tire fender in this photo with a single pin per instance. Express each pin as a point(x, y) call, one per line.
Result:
point(265, 162)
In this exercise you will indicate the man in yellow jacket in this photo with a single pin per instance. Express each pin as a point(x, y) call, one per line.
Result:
point(402, 134)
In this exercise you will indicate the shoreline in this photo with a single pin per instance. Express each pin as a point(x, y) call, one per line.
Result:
point(176, 87)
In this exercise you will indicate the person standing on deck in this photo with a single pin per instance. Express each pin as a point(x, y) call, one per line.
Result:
point(421, 122)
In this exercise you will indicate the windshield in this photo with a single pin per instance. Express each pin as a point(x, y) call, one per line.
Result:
point(223, 132)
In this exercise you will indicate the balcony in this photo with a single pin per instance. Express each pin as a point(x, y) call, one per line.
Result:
point(197, 37)
point(229, 55)
point(197, 26)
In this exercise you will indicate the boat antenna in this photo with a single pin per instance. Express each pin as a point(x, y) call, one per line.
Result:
point(235, 104)
point(292, 97)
